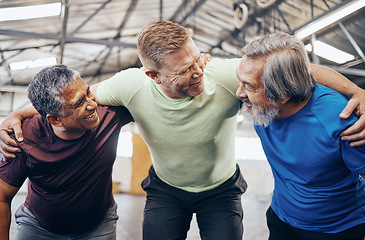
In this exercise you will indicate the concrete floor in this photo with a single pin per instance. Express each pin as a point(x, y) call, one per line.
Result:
point(130, 211)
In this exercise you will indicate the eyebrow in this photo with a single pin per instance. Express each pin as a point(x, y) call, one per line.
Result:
point(187, 67)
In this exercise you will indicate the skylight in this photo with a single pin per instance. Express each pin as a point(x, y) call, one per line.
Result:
point(41, 62)
point(329, 18)
point(329, 52)
point(29, 12)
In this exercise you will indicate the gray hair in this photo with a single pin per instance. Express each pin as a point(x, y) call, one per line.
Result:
point(45, 90)
point(287, 71)
point(158, 39)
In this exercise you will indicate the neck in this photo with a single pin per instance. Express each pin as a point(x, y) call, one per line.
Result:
point(290, 108)
point(67, 134)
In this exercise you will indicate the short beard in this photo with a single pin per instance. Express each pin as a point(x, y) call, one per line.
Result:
point(261, 115)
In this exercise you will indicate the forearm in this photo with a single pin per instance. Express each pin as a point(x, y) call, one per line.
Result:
point(332, 79)
point(5, 216)
point(12, 124)
point(24, 113)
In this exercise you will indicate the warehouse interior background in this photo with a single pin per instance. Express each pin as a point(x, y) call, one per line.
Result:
point(98, 38)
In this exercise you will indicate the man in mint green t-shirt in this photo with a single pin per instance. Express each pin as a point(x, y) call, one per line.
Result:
point(189, 126)
point(187, 117)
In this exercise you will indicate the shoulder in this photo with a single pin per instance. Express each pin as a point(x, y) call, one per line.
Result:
point(328, 100)
point(121, 87)
point(222, 66)
point(35, 126)
point(327, 106)
point(129, 75)
point(223, 72)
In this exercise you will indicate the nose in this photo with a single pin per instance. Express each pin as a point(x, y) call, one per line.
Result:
point(91, 104)
point(198, 71)
point(241, 91)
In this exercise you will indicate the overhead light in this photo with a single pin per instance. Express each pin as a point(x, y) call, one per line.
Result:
point(29, 12)
point(329, 52)
point(41, 62)
point(329, 18)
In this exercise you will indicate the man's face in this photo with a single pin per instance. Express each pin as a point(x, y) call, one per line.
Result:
point(256, 106)
point(182, 72)
point(80, 109)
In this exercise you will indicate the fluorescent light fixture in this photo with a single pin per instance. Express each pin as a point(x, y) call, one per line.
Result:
point(29, 12)
point(330, 53)
point(41, 62)
point(329, 18)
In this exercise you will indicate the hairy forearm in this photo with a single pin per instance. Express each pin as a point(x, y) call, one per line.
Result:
point(24, 113)
point(332, 79)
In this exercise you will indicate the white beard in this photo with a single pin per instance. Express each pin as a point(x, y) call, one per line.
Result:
point(261, 115)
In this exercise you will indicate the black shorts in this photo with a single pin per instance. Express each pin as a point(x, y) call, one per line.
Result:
point(169, 210)
point(280, 230)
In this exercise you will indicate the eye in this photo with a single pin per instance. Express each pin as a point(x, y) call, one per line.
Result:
point(249, 88)
point(79, 103)
point(185, 71)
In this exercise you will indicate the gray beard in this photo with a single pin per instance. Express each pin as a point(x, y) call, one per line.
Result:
point(261, 115)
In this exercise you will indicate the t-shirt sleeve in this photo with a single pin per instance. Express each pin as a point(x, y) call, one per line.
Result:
point(14, 171)
point(354, 157)
point(123, 115)
point(119, 89)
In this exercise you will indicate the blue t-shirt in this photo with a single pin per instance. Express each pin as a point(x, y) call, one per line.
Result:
point(317, 182)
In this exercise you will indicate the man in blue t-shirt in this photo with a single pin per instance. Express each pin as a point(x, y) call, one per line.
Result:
point(68, 154)
point(319, 187)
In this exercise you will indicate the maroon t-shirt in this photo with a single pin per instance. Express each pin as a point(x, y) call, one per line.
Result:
point(70, 183)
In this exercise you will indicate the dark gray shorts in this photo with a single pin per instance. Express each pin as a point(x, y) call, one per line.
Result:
point(30, 229)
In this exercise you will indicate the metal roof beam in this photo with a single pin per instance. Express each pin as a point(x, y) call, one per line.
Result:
point(90, 17)
point(69, 39)
point(352, 41)
point(350, 71)
point(64, 17)
point(182, 15)
point(131, 8)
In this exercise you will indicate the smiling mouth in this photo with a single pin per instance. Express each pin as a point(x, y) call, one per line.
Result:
point(92, 116)
point(192, 84)
point(248, 105)
point(246, 102)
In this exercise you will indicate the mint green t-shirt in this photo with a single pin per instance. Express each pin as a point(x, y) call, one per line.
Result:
point(191, 139)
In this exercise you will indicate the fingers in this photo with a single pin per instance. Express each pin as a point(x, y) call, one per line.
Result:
point(351, 106)
point(7, 155)
point(357, 143)
point(356, 131)
point(8, 146)
point(206, 58)
point(17, 128)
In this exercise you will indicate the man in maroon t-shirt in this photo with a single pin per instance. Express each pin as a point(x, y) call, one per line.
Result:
point(68, 154)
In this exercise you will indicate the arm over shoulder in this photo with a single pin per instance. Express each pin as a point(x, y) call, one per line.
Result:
point(117, 90)
point(223, 71)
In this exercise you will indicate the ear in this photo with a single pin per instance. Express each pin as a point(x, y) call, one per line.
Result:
point(54, 120)
point(285, 100)
point(154, 75)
